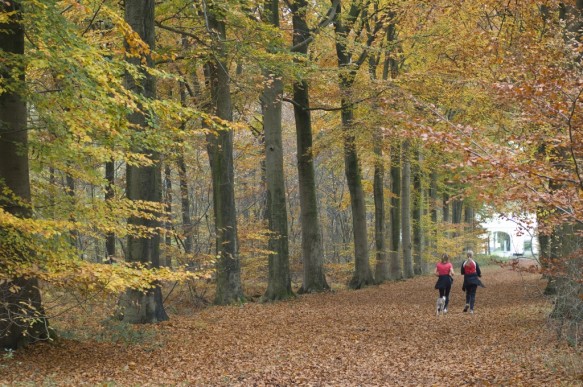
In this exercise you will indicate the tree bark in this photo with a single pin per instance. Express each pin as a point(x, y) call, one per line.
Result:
point(22, 318)
point(362, 273)
point(185, 206)
point(220, 152)
point(565, 245)
point(168, 205)
point(469, 226)
point(395, 263)
point(279, 279)
point(406, 211)
point(109, 195)
point(382, 260)
point(544, 240)
point(73, 234)
point(184, 192)
point(457, 207)
point(434, 200)
point(445, 207)
point(418, 232)
point(143, 182)
point(446, 214)
point(314, 279)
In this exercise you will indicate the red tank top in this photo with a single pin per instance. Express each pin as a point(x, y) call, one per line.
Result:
point(469, 267)
point(443, 268)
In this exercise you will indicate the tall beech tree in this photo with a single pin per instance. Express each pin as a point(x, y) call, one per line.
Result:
point(185, 205)
point(382, 258)
point(109, 195)
point(395, 214)
point(391, 71)
point(445, 207)
point(344, 23)
point(143, 182)
point(169, 223)
point(434, 205)
point(183, 182)
point(469, 224)
point(457, 208)
point(279, 279)
point(22, 318)
point(382, 254)
point(406, 210)
point(314, 279)
point(220, 152)
point(418, 210)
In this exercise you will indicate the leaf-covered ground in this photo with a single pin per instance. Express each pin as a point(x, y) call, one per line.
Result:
point(386, 335)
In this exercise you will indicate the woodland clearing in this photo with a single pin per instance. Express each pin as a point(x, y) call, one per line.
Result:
point(383, 335)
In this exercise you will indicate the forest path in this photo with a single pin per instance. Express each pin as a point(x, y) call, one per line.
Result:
point(384, 335)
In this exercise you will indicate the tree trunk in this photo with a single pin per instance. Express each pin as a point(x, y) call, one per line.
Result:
point(445, 207)
point(187, 230)
point(544, 241)
point(406, 211)
point(565, 245)
point(279, 279)
point(469, 227)
point(73, 234)
point(362, 273)
point(109, 195)
point(185, 204)
point(391, 70)
point(457, 207)
point(19, 297)
point(434, 203)
point(314, 279)
point(220, 152)
point(395, 263)
point(418, 235)
point(382, 259)
point(168, 205)
point(446, 215)
point(143, 182)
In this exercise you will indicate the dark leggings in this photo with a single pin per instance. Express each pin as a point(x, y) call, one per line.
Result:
point(445, 292)
point(471, 295)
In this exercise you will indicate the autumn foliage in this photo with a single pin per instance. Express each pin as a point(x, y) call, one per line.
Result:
point(406, 120)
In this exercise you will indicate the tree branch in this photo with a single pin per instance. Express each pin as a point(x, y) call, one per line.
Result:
point(93, 18)
point(183, 33)
point(323, 23)
point(334, 109)
point(570, 126)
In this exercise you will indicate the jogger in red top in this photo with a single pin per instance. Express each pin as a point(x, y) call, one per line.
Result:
point(444, 272)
